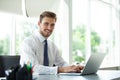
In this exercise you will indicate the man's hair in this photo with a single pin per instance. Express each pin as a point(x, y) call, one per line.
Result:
point(48, 14)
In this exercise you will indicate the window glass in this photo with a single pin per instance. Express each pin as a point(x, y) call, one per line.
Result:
point(15, 28)
point(5, 33)
point(103, 22)
point(24, 28)
point(95, 28)
point(101, 26)
point(79, 26)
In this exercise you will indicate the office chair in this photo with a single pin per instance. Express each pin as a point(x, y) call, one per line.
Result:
point(7, 61)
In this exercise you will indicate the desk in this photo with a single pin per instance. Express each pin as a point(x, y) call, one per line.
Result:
point(100, 75)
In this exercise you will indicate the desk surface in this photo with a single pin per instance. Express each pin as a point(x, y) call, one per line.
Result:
point(100, 75)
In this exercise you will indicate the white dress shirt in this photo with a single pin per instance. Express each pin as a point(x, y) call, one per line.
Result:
point(32, 50)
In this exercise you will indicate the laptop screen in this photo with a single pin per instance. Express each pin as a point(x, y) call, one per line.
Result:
point(6, 61)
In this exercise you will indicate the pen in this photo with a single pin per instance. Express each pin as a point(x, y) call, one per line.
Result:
point(54, 65)
point(29, 66)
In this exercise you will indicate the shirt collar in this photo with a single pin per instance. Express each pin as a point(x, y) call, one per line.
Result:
point(41, 38)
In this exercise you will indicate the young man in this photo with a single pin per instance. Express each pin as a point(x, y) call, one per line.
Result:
point(46, 61)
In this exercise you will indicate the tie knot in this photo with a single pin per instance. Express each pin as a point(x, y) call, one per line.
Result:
point(45, 41)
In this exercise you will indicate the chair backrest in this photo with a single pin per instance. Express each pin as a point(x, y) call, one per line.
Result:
point(7, 61)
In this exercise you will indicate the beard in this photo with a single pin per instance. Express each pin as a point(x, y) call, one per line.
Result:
point(46, 33)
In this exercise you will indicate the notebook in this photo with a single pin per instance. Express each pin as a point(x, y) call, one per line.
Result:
point(91, 66)
point(7, 62)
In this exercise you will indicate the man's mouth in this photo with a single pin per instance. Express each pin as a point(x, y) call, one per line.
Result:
point(48, 31)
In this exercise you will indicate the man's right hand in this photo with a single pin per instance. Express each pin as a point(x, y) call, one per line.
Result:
point(72, 68)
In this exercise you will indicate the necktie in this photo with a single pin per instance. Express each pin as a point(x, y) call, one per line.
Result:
point(46, 61)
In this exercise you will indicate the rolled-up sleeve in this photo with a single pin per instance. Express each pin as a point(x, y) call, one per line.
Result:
point(45, 69)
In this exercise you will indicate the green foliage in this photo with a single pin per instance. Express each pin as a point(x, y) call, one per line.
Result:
point(77, 58)
point(95, 41)
point(79, 38)
point(25, 29)
point(4, 45)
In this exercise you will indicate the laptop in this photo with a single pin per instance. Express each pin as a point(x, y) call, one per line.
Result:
point(91, 66)
point(7, 61)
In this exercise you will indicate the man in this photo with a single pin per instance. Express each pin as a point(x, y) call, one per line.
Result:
point(32, 49)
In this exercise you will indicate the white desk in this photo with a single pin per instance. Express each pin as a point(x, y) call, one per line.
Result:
point(100, 75)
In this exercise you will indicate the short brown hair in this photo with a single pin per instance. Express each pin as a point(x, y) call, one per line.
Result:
point(48, 14)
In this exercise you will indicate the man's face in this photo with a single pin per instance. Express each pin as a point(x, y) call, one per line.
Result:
point(46, 26)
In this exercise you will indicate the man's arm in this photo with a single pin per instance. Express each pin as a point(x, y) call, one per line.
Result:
point(28, 55)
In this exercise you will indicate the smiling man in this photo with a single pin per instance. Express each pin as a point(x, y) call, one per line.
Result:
point(43, 53)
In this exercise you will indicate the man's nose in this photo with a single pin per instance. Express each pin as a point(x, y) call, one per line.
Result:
point(49, 27)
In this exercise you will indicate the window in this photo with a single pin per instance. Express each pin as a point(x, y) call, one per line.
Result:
point(5, 32)
point(86, 26)
point(24, 28)
point(13, 30)
point(19, 27)
point(96, 30)
point(79, 30)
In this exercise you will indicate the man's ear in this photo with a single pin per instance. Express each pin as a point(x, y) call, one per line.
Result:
point(38, 22)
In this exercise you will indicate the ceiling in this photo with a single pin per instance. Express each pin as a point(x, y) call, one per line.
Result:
point(35, 7)
point(29, 8)
point(11, 6)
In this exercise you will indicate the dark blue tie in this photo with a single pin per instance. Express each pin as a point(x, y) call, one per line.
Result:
point(46, 60)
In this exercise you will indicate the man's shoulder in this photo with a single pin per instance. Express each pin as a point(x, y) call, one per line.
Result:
point(52, 43)
point(30, 39)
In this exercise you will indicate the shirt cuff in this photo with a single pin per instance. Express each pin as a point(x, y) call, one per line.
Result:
point(45, 69)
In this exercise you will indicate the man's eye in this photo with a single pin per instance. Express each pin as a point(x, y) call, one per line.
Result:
point(52, 25)
point(46, 24)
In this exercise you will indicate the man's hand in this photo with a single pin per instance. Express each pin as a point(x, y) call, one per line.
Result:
point(72, 68)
